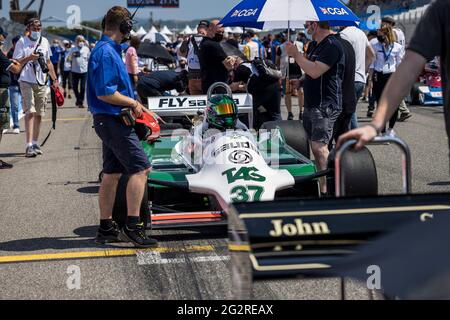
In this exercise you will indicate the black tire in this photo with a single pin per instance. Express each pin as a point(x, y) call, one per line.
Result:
point(360, 173)
point(294, 133)
point(120, 205)
point(415, 97)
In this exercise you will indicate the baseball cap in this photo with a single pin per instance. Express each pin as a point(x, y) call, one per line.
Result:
point(388, 19)
point(203, 23)
point(3, 32)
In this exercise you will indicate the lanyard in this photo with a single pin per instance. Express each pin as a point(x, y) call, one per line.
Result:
point(387, 56)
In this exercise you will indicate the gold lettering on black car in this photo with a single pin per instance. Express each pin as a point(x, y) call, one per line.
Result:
point(299, 228)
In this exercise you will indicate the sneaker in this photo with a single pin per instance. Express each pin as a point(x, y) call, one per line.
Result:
point(391, 133)
point(137, 237)
point(290, 116)
point(404, 116)
point(15, 131)
point(4, 165)
point(30, 152)
point(5, 131)
point(300, 117)
point(70, 96)
point(37, 149)
point(369, 114)
point(108, 236)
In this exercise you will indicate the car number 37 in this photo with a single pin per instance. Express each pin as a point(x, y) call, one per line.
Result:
point(247, 194)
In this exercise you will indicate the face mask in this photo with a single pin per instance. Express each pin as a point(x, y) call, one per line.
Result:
point(2, 43)
point(35, 35)
point(381, 39)
point(81, 45)
point(309, 36)
point(218, 37)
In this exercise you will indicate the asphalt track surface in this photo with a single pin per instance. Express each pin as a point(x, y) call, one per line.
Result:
point(49, 216)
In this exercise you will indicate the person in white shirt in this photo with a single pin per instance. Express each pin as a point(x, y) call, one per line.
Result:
point(79, 57)
point(400, 39)
point(253, 46)
point(388, 56)
point(190, 50)
point(364, 55)
point(33, 82)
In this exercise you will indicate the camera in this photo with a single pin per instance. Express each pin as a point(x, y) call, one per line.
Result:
point(77, 54)
point(42, 63)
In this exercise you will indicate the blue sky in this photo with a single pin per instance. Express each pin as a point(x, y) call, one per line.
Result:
point(93, 9)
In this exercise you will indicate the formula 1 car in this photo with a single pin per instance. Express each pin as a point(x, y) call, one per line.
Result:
point(196, 176)
point(428, 89)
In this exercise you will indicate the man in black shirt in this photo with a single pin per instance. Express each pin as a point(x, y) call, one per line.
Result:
point(430, 40)
point(7, 66)
point(324, 68)
point(349, 101)
point(214, 62)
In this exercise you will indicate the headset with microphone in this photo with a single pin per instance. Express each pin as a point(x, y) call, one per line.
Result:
point(127, 23)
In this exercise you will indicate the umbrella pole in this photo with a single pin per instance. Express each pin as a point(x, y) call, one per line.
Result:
point(288, 81)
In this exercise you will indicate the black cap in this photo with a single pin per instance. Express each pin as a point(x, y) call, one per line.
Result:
point(3, 33)
point(203, 23)
point(388, 19)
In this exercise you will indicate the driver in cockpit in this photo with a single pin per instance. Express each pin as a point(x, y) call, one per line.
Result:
point(221, 115)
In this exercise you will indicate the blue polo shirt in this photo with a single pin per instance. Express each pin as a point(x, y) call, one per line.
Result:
point(107, 74)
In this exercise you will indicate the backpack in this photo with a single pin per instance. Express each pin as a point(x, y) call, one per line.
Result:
point(267, 70)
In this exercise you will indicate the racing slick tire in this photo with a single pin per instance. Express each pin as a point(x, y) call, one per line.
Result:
point(120, 206)
point(294, 133)
point(359, 173)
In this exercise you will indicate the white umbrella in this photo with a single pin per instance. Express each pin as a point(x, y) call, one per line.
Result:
point(166, 31)
point(281, 14)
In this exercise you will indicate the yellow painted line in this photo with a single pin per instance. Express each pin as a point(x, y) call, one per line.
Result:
point(304, 266)
point(98, 254)
point(235, 247)
point(67, 119)
point(343, 212)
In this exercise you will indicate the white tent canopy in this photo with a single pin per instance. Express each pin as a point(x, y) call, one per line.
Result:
point(187, 31)
point(166, 31)
point(153, 30)
point(228, 30)
point(141, 32)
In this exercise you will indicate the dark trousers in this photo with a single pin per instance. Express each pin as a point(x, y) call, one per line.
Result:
point(67, 80)
point(379, 83)
point(341, 126)
point(266, 105)
point(79, 86)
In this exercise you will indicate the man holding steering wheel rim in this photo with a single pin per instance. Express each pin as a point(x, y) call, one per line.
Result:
point(109, 91)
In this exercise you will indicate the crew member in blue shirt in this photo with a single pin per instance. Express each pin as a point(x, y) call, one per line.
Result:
point(109, 91)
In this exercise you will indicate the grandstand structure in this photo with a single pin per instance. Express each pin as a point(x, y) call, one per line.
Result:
point(407, 13)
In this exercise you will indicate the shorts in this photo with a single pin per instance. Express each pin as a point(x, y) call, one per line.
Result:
point(319, 123)
point(34, 98)
point(122, 150)
point(4, 109)
point(294, 83)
